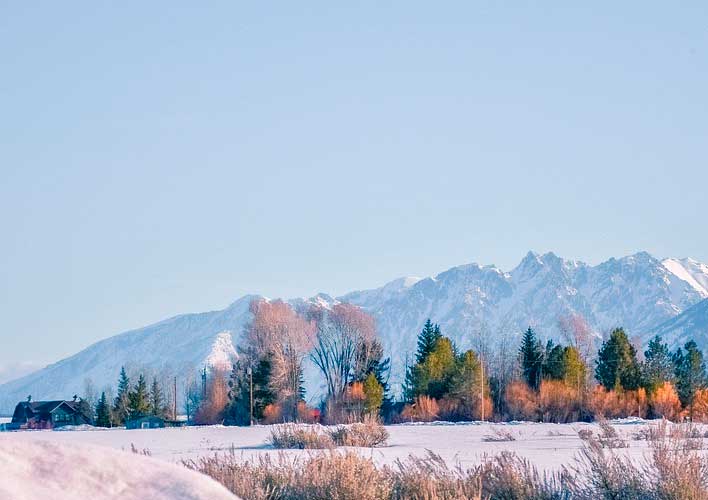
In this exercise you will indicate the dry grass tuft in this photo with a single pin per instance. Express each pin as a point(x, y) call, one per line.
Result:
point(300, 436)
point(499, 435)
point(369, 434)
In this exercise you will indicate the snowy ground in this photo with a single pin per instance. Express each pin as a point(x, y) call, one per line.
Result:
point(46, 468)
point(548, 446)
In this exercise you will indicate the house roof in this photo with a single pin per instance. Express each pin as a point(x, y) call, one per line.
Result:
point(29, 409)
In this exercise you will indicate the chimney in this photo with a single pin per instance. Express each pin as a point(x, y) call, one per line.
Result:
point(29, 398)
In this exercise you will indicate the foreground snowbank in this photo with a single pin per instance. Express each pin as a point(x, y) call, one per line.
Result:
point(42, 469)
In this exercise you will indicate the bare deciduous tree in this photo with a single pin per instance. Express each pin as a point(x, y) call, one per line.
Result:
point(577, 332)
point(345, 344)
point(279, 333)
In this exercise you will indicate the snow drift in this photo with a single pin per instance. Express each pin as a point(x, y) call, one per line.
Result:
point(39, 469)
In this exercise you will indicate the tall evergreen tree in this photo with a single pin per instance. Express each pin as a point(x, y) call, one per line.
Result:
point(531, 357)
point(433, 377)
point(157, 400)
point(103, 417)
point(238, 410)
point(658, 366)
point(139, 400)
point(121, 403)
point(469, 388)
point(690, 370)
point(617, 366)
point(426, 341)
point(553, 362)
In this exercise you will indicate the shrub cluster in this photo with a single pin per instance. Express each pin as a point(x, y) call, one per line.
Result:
point(367, 434)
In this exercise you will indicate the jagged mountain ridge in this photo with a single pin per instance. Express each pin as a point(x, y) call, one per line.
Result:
point(471, 301)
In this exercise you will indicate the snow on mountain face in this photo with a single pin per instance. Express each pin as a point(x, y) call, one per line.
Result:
point(472, 303)
point(692, 272)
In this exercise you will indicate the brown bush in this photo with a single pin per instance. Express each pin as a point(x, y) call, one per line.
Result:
point(617, 404)
point(272, 414)
point(423, 409)
point(665, 402)
point(700, 406)
point(521, 401)
point(307, 415)
point(558, 402)
point(211, 410)
point(430, 478)
point(368, 434)
point(302, 437)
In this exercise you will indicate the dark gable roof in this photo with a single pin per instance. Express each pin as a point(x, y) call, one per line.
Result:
point(29, 409)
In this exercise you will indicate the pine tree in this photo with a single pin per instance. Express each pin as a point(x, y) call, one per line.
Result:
point(426, 341)
point(157, 400)
point(553, 365)
point(617, 365)
point(103, 417)
point(531, 359)
point(139, 401)
point(658, 366)
point(121, 403)
point(468, 387)
point(434, 376)
point(84, 408)
point(690, 370)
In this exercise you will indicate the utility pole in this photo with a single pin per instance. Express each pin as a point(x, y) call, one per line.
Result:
point(174, 412)
point(250, 380)
point(481, 383)
point(204, 377)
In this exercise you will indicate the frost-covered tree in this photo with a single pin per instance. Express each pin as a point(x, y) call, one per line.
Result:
point(343, 334)
point(283, 338)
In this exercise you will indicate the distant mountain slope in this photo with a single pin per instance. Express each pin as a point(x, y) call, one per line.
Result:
point(691, 324)
point(471, 302)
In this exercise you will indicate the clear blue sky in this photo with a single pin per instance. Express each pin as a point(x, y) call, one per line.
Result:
point(166, 158)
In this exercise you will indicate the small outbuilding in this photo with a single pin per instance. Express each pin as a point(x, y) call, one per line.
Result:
point(152, 422)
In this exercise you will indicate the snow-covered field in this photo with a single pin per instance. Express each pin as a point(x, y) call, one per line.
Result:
point(548, 446)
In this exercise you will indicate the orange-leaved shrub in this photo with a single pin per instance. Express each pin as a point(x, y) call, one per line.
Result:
point(665, 402)
point(521, 401)
point(423, 409)
point(617, 404)
point(558, 402)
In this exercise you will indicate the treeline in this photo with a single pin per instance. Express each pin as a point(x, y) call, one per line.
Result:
point(132, 401)
point(532, 380)
point(553, 382)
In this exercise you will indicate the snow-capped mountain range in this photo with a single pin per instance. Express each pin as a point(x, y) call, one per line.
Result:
point(641, 293)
